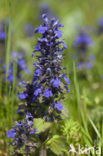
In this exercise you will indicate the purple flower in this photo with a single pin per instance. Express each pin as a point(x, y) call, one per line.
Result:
point(22, 65)
point(55, 82)
point(59, 57)
point(64, 45)
point(66, 80)
point(22, 132)
point(37, 48)
point(19, 124)
point(16, 55)
point(22, 83)
point(102, 77)
point(47, 93)
point(100, 22)
point(11, 133)
point(41, 29)
point(10, 72)
point(82, 38)
point(81, 43)
point(10, 78)
point(33, 131)
point(28, 115)
point(60, 25)
point(58, 33)
point(18, 58)
point(2, 30)
point(37, 72)
point(37, 92)
point(58, 105)
point(22, 96)
point(2, 36)
point(67, 88)
point(29, 119)
point(79, 65)
point(88, 65)
point(92, 57)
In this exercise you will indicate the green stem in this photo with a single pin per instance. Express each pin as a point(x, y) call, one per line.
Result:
point(43, 151)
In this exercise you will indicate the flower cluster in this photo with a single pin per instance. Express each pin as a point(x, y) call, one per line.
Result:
point(82, 41)
point(21, 66)
point(44, 95)
point(21, 134)
point(87, 64)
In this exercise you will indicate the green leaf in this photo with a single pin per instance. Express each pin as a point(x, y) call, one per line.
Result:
point(41, 125)
point(57, 144)
point(95, 128)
